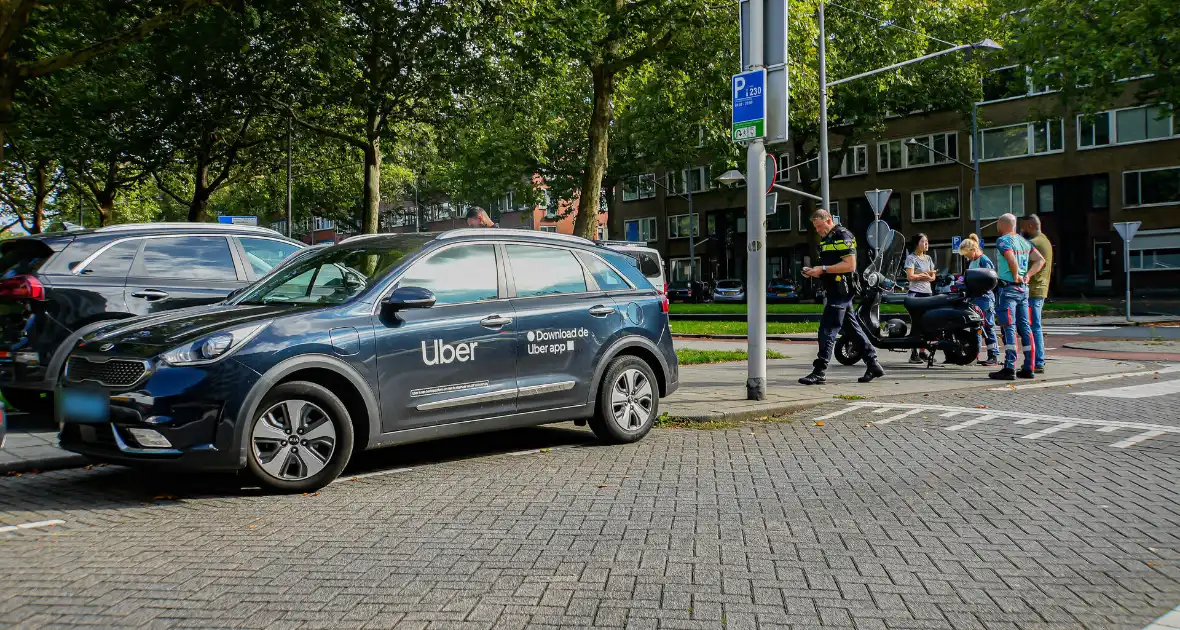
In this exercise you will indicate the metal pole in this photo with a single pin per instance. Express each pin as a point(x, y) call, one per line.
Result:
point(417, 212)
point(824, 191)
point(692, 237)
point(975, 166)
point(290, 130)
point(1127, 267)
point(756, 236)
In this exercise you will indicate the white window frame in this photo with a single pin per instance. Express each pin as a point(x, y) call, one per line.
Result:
point(842, 170)
point(603, 232)
point(649, 221)
point(1012, 194)
point(547, 228)
point(639, 192)
point(1029, 86)
point(928, 140)
point(1112, 127)
point(914, 205)
point(678, 263)
point(1152, 241)
point(320, 224)
point(674, 219)
point(802, 227)
point(1030, 140)
point(1123, 183)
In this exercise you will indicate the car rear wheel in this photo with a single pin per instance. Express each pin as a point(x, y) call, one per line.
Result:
point(301, 438)
point(628, 401)
point(29, 401)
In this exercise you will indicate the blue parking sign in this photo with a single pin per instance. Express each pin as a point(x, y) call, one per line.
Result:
point(955, 242)
point(748, 90)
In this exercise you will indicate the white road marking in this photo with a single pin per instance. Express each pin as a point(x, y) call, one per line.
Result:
point(898, 416)
point(1146, 390)
point(1142, 437)
point(1050, 431)
point(36, 525)
point(1090, 379)
point(1147, 430)
point(970, 423)
point(849, 408)
point(376, 473)
point(950, 414)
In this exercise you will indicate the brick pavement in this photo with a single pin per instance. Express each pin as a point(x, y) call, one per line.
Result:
point(782, 524)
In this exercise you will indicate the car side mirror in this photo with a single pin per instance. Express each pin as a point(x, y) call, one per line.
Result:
point(409, 297)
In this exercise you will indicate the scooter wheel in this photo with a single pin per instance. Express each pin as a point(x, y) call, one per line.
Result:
point(849, 350)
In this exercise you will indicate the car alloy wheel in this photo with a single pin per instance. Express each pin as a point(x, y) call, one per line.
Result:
point(631, 400)
point(294, 440)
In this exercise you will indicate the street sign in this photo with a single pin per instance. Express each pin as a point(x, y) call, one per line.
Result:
point(877, 199)
point(1127, 229)
point(774, 58)
point(749, 105)
point(955, 242)
point(879, 235)
point(771, 172)
point(238, 220)
point(771, 203)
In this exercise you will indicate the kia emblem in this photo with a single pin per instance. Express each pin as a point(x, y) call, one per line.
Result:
point(106, 346)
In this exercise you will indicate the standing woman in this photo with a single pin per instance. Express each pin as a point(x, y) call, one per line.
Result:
point(972, 251)
point(919, 270)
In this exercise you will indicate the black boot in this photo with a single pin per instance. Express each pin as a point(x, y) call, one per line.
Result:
point(1025, 373)
point(1004, 374)
point(818, 368)
point(873, 370)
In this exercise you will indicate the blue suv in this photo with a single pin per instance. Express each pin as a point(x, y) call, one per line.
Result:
point(380, 340)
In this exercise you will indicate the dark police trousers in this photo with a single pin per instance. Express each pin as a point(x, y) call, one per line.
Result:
point(839, 315)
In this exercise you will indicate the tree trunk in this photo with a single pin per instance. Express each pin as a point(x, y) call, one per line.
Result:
point(106, 208)
point(586, 223)
point(372, 195)
point(201, 193)
point(41, 190)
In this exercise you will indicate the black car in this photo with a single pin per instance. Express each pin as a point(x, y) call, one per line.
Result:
point(56, 287)
point(379, 340)
point(685, 291)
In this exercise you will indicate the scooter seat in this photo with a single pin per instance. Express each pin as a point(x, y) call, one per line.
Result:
point(919, 304)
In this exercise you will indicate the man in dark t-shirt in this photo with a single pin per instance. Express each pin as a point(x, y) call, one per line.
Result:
point(837, 258)
point(478, 217)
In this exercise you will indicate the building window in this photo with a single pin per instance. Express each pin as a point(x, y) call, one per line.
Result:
point(1126, 126)
point(1094, 130)
point(602, 232)
point(1021, 140)
point(855, 162)
point(1155, 259)
point(639, 187)
point(1151, 188)
point(1045, 198)
point(774, 267)
point(1004, 83)
point(678, 268)
point(678, 225)
point(800, 222)
point(892, 212)
point(640, 230)
point(548, 228)
point(784, 168)
point(936, 205)
point(781, 219)
point(896, 154)
point(998, 200)
point(322, 224)
point(1100, 192)
point(834, 209)
point(279, 226)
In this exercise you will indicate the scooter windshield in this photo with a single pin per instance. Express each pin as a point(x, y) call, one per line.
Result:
point(888, 262)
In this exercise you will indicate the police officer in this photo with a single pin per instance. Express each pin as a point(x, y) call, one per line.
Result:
point(838, 263)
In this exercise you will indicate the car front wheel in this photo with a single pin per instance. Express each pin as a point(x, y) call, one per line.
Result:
point(628, 401)
point(301, 439)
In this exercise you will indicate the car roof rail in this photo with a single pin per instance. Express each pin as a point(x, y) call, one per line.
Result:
point(531, 234)
point(122, 227)
point(608, 243)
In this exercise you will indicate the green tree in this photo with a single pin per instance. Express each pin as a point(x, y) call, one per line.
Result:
point(1087, 50)
point(41, 37)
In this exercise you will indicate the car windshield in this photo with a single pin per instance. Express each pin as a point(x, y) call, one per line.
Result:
point(729, 284)
point(334, 275)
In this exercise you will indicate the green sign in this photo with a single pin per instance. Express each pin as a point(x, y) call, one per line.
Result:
point(749, 130)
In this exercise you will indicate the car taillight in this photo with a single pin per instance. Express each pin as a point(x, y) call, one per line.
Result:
point(22, 288)
point(665, 288)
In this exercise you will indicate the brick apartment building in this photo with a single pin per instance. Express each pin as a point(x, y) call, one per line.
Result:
point(1078, 173)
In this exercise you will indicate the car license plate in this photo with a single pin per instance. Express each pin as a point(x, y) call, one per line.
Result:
point(83, 405)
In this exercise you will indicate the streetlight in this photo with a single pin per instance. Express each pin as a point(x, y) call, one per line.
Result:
point(825, 181)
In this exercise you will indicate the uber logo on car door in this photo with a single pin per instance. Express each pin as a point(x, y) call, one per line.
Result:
point(445, 353)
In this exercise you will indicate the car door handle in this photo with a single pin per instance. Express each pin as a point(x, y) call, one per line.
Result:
point(151, 295)
point(601, 311)
point(495, 321)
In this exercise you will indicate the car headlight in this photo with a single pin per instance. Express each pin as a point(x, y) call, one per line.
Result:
point(212, 348)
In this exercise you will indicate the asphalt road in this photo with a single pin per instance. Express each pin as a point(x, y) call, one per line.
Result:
point(1047, 507)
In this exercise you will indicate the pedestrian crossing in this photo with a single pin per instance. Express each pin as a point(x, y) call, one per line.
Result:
point(1135, 433)
point(1070, 331)
point(1144, 390)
